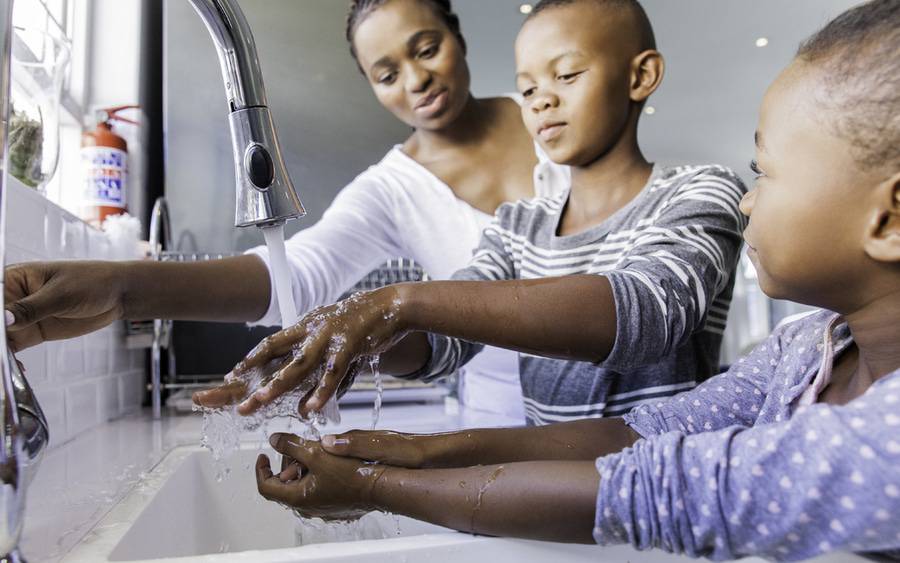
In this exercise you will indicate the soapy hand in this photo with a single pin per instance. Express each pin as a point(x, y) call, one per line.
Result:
point(320, 485)
point(57, 300)
point(319, 351)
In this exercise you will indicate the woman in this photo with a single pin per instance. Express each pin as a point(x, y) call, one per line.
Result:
point(428, 200)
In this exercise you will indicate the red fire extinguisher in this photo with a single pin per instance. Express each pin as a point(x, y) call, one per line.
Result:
point(104, 162)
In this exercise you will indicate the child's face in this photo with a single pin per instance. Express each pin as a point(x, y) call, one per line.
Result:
point(573, 69)
point(809, 206)
point(414, 63)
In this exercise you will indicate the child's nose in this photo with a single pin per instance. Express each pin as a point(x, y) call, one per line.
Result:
point(543, 101)
point(747, 202)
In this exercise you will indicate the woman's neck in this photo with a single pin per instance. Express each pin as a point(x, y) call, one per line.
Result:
point(468, 129)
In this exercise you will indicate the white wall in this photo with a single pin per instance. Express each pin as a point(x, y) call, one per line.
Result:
point(84, 381)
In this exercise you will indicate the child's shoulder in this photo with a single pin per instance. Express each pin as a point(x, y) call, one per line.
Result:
point(803, 330)
point(531, 208)
point(694, 176)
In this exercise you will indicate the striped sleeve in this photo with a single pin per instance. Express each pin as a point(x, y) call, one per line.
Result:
point(491, 261)
point(668, 283)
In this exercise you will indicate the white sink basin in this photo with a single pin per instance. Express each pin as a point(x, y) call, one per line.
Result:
point(179, 511)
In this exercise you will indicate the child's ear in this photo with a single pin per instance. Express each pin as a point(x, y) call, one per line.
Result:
point(647, 70)
point(883, 233)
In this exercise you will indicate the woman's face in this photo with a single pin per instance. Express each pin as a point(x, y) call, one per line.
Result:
point(414, 63)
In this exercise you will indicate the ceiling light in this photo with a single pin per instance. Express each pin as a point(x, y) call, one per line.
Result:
point(650, 110)
point(525, 9)
point(762, 42)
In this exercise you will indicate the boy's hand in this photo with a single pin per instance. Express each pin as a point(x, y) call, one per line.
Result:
point(321, 485)
point(57, 300)
point(336, 338)
point(392, 448)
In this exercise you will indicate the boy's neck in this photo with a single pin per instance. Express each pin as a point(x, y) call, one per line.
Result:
point(876, 333)
point(607, 184)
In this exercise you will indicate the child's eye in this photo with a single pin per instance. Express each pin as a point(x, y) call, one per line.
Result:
point(569, 77)
point(428, 52)
point(528, 92)
point(754, 167)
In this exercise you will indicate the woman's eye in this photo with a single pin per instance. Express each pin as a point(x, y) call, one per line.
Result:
point(387, 78)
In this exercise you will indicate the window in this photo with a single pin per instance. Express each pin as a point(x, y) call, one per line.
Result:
point(64, 21)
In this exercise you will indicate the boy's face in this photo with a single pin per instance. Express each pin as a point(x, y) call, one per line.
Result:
point(808, 208)
point(414, 63)
point(573, 69)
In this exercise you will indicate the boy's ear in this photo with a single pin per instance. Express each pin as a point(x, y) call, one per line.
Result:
point(883, 233)
point(647, 70)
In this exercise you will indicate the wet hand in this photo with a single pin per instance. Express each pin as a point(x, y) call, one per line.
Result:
point(392, 448)
point(321, 350)
point(57, 300)
point(324, 486)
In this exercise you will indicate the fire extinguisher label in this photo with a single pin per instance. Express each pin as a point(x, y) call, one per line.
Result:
point(105, 176)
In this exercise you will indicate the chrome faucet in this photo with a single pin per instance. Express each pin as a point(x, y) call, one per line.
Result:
point(264, 193)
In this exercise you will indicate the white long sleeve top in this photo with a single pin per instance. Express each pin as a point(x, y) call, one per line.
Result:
point(397, 208)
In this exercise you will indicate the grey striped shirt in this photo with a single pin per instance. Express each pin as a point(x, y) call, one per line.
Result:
point(670, 255)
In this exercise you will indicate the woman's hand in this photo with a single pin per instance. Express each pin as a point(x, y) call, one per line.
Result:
point(316, 483)
point(57, 300)
point(315, 355)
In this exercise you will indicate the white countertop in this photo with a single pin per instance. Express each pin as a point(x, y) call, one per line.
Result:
point(81, 480)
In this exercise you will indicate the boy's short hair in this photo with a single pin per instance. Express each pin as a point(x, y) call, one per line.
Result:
point(645, 28)
point(859, 56)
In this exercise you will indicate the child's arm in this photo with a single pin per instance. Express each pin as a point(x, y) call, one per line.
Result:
point(570, 441)
point(651, 304)
point(546, 500)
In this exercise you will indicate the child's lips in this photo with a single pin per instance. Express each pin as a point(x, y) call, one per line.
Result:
point(550, 131)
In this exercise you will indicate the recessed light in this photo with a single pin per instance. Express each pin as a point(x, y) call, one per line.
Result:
point(762, 42)
point(650, 110)
point(526, 8)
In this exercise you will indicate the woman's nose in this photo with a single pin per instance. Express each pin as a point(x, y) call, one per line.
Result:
point(418, 79)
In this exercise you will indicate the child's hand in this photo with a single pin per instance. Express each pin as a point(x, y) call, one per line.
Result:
point(392, 448)
point(325, 486)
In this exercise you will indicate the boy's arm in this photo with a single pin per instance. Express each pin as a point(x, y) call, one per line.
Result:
point(570, 441)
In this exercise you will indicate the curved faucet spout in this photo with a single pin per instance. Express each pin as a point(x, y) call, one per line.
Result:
point(264, 192)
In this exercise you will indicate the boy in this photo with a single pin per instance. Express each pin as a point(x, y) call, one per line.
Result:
point(648, 252)
point(803, 453)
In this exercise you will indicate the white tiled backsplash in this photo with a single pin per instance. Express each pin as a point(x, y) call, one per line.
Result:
point(84, 381)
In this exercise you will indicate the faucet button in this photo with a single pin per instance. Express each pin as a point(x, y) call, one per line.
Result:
point(259, 167)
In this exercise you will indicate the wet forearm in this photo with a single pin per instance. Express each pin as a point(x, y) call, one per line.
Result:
point(582, 440)
point(229, 290)
point(544, 500)
point(572, 317)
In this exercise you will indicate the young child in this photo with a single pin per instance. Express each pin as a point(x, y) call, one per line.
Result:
point(647, 252)
point(795, 451)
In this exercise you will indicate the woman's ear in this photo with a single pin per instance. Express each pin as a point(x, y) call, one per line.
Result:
point(883, 233)
point(647, 70)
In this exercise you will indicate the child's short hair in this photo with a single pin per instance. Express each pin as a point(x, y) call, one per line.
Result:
point(648, 38)
point(859, 56)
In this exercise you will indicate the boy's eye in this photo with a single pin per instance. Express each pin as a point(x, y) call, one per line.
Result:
point(754, 167)
point(528, 92)
point(427, 52)
point(569, 77)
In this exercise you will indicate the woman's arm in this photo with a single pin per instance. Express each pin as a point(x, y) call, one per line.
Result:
point(64, 299)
